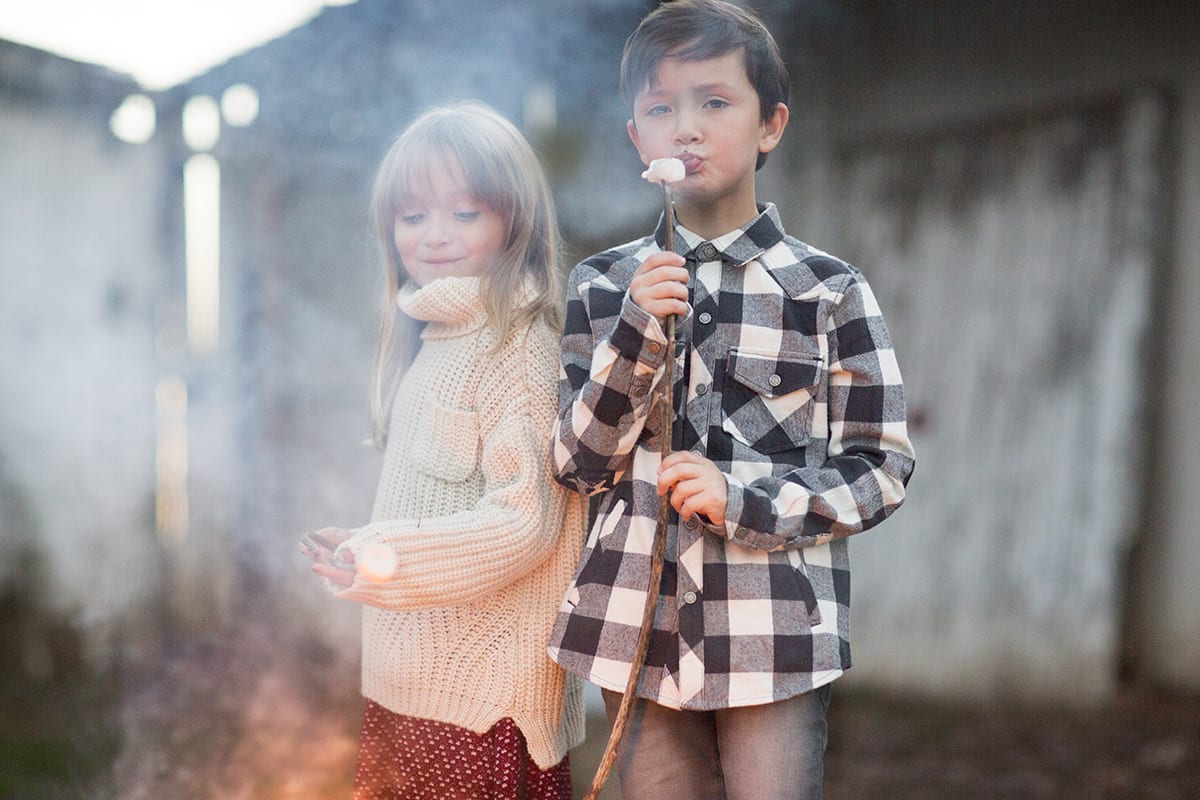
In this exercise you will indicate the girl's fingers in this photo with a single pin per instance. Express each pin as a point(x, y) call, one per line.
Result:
point(339, 576)
point(335, 535)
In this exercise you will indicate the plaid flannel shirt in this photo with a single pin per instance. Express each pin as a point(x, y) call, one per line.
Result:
point(786, 379)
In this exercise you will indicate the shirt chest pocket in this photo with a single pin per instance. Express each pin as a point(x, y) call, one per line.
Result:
point(768, 397)
point(446, 444)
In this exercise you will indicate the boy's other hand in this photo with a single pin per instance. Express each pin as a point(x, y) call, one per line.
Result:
point(696, 486)
point(659, 286)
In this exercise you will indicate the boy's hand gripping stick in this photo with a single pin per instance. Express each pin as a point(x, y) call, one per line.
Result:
point(664, 171)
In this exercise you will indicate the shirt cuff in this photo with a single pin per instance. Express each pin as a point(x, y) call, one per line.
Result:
point(736, 510)
point(733, 510)
point(638, 336)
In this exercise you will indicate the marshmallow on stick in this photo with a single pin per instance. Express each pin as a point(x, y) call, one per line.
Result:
point(665, 170)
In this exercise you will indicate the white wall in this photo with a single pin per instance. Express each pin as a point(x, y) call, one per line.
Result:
point(78, 270)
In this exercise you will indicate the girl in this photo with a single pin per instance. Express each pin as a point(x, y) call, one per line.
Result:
point(470, 543)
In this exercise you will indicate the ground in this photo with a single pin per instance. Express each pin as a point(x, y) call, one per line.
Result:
point(1145, 746)
point(251, 715)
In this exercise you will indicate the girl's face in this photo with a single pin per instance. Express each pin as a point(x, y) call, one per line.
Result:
point(444, 231)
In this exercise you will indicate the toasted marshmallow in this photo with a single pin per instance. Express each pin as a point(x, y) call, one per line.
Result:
point(665, 170)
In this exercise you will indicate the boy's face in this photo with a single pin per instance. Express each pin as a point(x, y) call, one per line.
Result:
point(706, 113)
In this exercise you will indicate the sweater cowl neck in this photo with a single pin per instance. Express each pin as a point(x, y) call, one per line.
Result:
point(452, 304)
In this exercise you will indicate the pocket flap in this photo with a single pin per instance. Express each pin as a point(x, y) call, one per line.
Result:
point(774, 374)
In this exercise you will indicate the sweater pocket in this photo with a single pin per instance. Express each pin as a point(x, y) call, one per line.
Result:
point(447, 442)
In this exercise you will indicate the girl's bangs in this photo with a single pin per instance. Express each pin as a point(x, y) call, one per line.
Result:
point(477, 168)
point(447, 144)
point(411, 173)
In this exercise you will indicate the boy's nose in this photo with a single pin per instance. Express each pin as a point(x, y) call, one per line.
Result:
point(686, 129)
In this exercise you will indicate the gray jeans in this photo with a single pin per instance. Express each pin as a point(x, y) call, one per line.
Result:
point(768, 752)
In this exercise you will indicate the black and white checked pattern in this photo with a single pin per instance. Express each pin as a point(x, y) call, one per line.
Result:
point(786, 379)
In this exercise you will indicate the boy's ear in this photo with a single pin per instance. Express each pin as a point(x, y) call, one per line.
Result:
point(633, 137)
point(772, 129)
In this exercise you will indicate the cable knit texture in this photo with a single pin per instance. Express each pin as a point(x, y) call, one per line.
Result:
point(486, 540)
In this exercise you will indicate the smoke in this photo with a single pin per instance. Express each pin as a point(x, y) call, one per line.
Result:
point(234, 663)
point(76, 398)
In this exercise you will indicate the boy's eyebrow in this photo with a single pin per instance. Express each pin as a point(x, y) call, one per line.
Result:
point(703, 88)
point(715, 86)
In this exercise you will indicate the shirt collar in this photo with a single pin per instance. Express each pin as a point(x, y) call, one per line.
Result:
point(738, 246)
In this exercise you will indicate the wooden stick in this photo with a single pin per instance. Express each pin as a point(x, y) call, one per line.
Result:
point(657, 551)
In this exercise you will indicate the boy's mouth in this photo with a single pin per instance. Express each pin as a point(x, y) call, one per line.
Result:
point(691, 161)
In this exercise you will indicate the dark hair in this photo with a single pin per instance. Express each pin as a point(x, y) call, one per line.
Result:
point(694, 30)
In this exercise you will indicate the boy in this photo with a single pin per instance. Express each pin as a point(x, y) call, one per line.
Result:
point(790, 436)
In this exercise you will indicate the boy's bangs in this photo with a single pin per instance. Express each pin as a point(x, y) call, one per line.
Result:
point(702, 48)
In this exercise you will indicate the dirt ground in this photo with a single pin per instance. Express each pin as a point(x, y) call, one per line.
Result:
point(1146, 746)
point(222, 719)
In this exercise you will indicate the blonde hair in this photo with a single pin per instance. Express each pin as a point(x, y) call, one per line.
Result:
point(500, 169)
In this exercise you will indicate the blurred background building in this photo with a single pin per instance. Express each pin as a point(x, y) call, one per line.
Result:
point(189, 295)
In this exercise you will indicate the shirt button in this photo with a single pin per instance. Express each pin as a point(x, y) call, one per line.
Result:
point(705, 318)
point(654, 347)
point(701, 389)
point(774, 380)
point(639, 390)
point(689, 597)
point(706, 252)
point(691, 524)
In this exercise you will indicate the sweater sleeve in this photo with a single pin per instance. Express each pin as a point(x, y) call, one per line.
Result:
point(514, 526)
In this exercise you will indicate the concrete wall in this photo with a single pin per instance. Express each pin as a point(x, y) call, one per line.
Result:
point(1164, 596)
point(898, 75)
point(79, 265)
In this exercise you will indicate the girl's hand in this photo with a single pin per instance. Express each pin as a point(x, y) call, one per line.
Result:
point(659, 286)
point(320, 546)
point(696, 486)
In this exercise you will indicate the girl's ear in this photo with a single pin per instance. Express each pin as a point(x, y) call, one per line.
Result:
point(772, 129)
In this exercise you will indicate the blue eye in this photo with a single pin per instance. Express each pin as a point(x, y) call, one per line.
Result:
point(466, 216)
point(657, 111)
point(411, 219)
point(716, 103)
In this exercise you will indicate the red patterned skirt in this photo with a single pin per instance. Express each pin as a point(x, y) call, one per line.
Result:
point(406, 758)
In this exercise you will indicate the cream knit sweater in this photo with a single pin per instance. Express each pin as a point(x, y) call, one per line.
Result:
point(486, 540)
